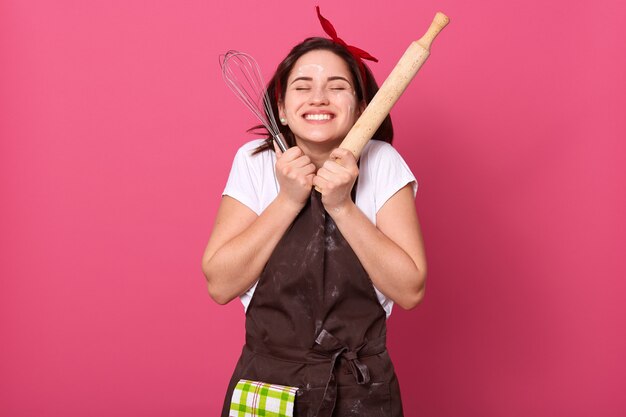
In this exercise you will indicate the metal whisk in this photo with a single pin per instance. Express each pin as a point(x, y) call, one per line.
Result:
point(243, 76)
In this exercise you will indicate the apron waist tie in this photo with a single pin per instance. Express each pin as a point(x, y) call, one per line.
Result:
point(328, 349)
point(328, 343)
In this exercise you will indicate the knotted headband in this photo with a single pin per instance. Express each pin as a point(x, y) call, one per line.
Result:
point(358, 54)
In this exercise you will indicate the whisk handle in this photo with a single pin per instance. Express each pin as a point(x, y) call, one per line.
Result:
point(280, 141)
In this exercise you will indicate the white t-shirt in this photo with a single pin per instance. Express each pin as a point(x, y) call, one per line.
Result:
point(382, 173)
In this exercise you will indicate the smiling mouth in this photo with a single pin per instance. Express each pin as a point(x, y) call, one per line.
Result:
point(324, 116)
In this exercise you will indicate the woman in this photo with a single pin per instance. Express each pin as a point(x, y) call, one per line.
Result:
point(319, 272)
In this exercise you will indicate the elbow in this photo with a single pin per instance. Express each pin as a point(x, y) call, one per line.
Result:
point(413, 301)
point(215, 292)
point(220, 297)
point(414, 298)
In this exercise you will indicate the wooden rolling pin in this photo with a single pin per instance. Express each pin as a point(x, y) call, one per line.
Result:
point(392, 88)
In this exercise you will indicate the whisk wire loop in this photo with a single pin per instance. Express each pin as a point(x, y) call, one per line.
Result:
point(242, 75)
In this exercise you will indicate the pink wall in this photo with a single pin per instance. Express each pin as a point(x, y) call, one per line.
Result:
point(117, 134)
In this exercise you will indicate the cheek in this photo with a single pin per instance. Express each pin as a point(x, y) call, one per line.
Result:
point(346, 99)
point(291, 105)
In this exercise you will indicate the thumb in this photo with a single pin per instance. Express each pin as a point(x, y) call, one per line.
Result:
point(341, 156)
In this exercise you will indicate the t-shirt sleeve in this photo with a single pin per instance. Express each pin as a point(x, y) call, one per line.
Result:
point(241, 181)
point(392, 174)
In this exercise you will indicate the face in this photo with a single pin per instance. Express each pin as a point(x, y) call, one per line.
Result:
point(320, 103)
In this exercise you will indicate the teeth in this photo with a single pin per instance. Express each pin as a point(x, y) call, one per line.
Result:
point(317, 116)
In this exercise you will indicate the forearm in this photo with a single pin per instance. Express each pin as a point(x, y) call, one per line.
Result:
point(238, 263)
point(391, 269)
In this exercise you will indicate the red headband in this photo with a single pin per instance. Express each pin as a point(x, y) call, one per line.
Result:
point(358, 54)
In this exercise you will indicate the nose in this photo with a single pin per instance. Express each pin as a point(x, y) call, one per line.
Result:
point(318, 96)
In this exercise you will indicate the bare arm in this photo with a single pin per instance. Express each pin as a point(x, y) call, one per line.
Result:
point(392, 252)
point(240, 245)
point(241, 242)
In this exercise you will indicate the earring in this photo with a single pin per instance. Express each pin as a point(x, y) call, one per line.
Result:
point(283, 120)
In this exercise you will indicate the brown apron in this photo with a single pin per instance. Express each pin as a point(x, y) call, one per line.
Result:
point(315, 323)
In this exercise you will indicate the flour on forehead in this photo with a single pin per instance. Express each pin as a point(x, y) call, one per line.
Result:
point(309, 68)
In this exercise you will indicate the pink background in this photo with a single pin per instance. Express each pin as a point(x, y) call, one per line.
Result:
point(117, 135)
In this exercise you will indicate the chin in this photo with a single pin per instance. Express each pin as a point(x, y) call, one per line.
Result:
point(322, 137)
point(322, 140)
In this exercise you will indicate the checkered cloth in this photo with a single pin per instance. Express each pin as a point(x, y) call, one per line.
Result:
point(252, 398)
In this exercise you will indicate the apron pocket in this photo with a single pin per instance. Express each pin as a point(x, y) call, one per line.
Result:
point(302, 406)
point(369, 400)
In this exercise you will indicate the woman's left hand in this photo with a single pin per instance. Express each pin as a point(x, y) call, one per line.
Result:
point(335, 180)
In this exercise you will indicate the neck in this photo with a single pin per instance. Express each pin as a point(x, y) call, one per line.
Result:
point(318, 152)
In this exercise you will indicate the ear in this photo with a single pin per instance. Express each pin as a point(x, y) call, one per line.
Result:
point(281, 109)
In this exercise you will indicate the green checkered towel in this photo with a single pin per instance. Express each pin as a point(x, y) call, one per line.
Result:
point(253, 398)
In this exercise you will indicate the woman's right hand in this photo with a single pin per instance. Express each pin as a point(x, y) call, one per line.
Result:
point(295, 172)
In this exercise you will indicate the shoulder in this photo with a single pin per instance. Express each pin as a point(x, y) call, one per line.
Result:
point(377, 151)
point(382, 159)
point(245, 155)
point(251, 177)
point(385, 171)
point(248, 148)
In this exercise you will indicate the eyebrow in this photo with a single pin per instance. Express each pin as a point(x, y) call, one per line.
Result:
point(333, 78)
point(337, 77)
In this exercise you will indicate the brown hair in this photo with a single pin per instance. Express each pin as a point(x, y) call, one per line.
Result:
point(365, 89)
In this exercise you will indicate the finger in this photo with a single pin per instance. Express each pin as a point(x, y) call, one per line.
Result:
point(302, 161)
point(309, 179)
point(320, 183)
point(342, 157)
point(334, 167)
point(325, 175)
point(339, 172)
point(292, 153)
point(309, 169)
point(277, 150)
